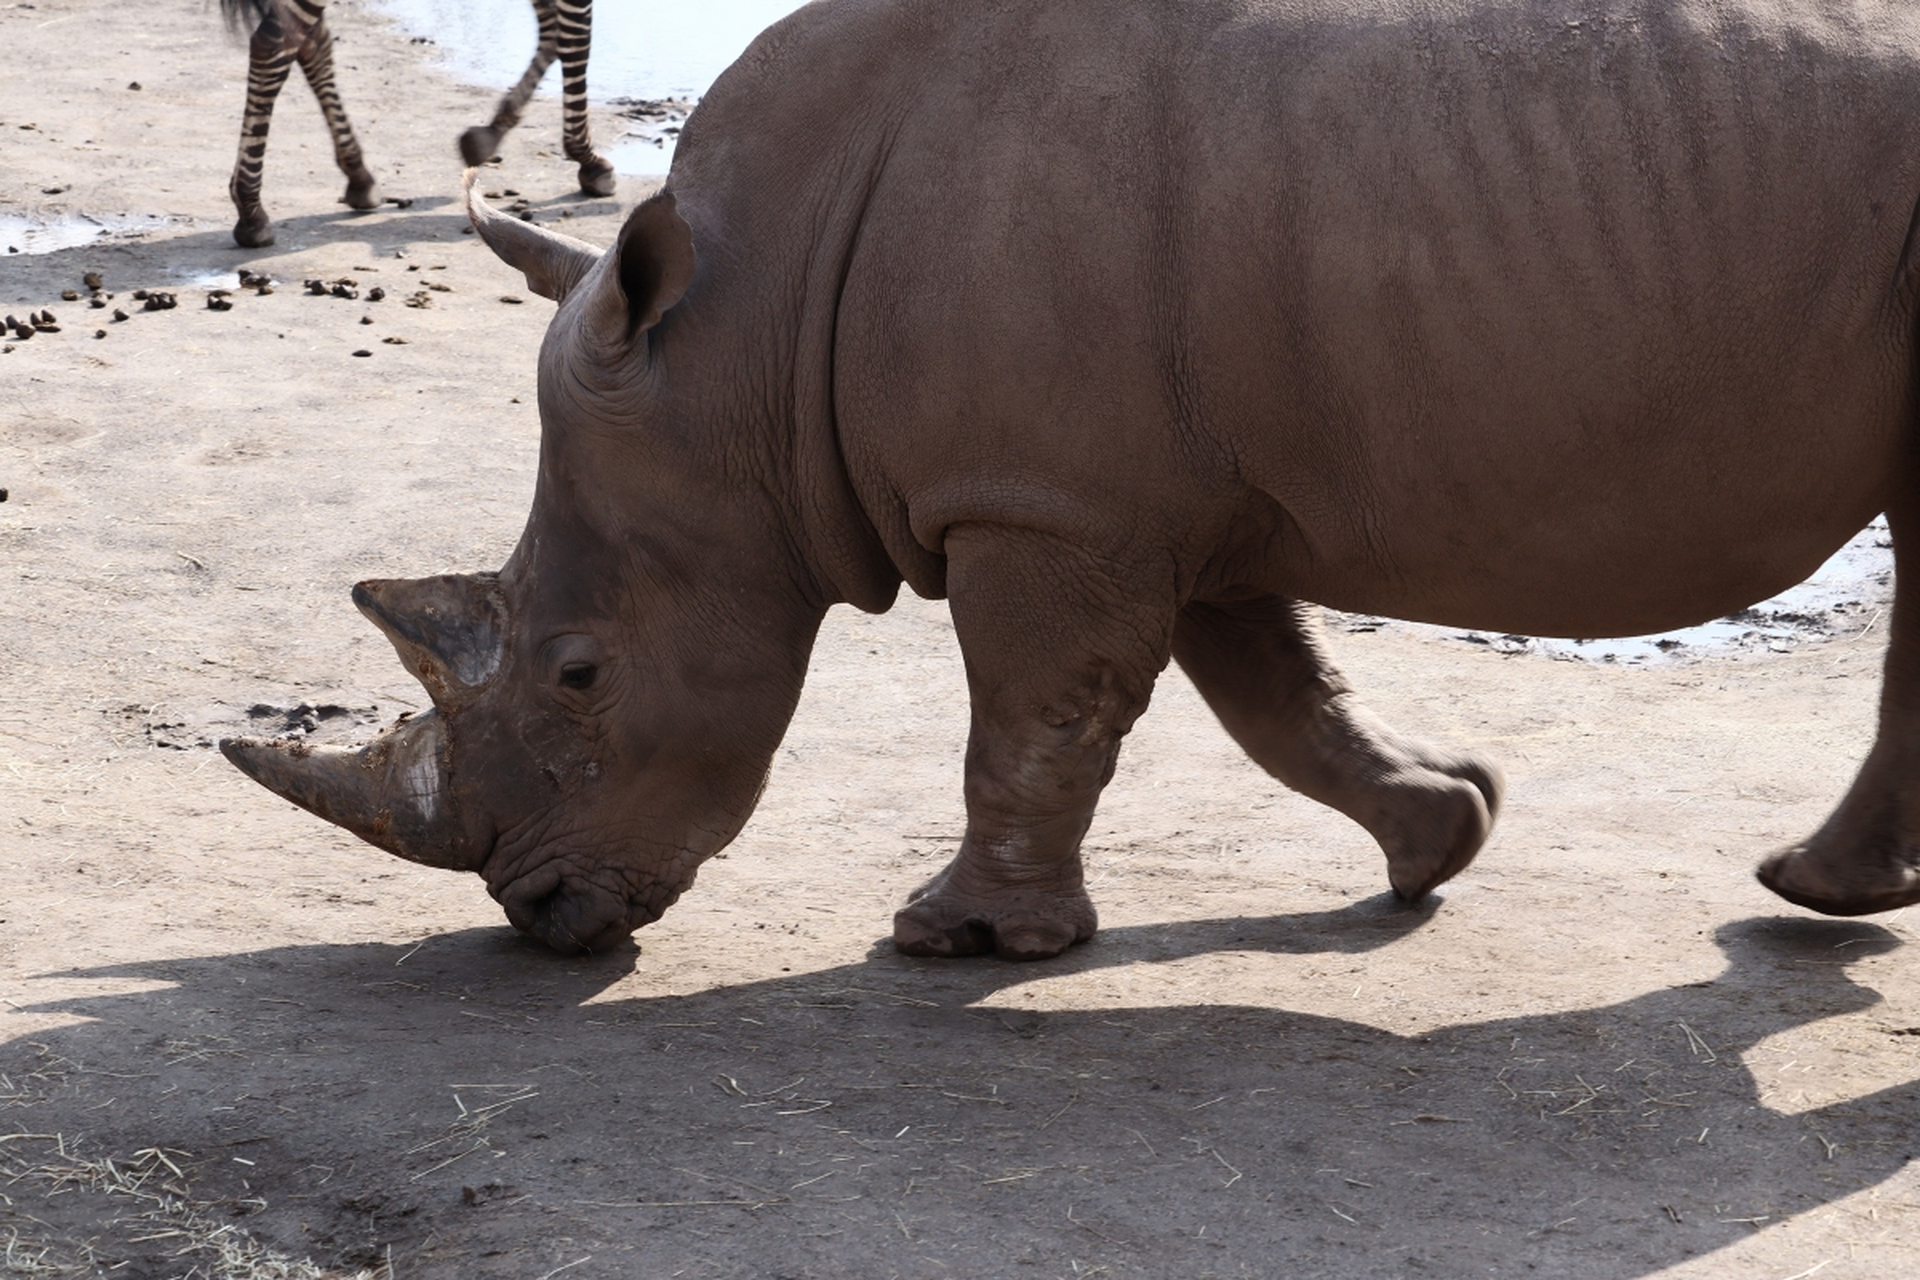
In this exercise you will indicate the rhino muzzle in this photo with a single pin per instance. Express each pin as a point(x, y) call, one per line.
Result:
point(397, 791)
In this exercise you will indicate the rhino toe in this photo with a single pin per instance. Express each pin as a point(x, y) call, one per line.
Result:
point(941, 924)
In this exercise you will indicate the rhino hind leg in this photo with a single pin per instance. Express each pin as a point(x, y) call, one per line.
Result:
point(1262, 664)
point(1866, 856)
point(1057, 677)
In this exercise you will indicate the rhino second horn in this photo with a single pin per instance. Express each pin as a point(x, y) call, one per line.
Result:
point(391, 792)
point(448, 630)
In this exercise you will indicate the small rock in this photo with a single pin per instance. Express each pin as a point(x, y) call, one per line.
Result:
point(363, 352)
point(46, 317)
point(6, 350)
point(96, 302)
point(118, 314)
point(99, 333)
point(69, 295)
point(93, 280)
point(134, 85)
point(46, 328)
point(366, 319)
point(376, 293)
point(139, 295)
point(3, 492)
point(263, 290)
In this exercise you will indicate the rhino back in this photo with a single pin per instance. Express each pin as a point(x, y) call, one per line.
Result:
point(1439, 310)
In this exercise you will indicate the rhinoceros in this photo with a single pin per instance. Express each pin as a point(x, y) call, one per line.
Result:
point(1130, 327)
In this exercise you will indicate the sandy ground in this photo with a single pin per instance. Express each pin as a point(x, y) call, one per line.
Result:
point(1607, 1052)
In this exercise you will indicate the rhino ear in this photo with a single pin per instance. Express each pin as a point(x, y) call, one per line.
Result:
point(654, 264)
point(552, 263)
point(450, 630)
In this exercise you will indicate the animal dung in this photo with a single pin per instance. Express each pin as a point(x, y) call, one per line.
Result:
point(159, 301)
point(376, 293)
point(363, 352)
point(366, 319)
point(219, 300)
point(118, 314)
point(70, 295)
point(251, 279)
point(99, 333)
point(394, 341)
point(96, 302)
point(93, 280)
point(507, 297)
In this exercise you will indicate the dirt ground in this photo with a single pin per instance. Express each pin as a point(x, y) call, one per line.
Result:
point(235, 1039)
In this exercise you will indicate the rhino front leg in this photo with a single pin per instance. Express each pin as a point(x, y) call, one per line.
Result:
point(1866, 857)
point(1261, 663)
point(1057, 676)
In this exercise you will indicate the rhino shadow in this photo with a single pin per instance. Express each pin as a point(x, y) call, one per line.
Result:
point(484, 1110)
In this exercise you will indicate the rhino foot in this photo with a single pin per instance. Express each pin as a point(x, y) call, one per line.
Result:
point(1810, 875)
point(1024, 925)
point(1433, 819)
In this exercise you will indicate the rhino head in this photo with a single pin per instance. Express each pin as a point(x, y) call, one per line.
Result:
point(606, 706)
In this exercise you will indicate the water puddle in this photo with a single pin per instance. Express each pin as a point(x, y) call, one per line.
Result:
point(22, 234)
point(1846, 596)
point(645, 53)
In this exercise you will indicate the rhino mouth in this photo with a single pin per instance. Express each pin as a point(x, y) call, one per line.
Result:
point(572, 910)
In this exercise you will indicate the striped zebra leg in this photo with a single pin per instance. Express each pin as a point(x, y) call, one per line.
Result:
point(316, 59)
point(269, 58)
point(480, 143)
point(576, 41)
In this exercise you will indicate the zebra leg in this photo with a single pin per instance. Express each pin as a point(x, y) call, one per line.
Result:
point(269, 57)
point(316, 59)
point(480, 143)
point(576, 40)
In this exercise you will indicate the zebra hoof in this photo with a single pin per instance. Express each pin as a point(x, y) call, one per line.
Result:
point(254, 230)
point(597, 177)
point(479, 145)
point(362, 193)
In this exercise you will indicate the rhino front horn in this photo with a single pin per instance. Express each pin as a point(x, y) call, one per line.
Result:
point(391, 792)
point(448, 630)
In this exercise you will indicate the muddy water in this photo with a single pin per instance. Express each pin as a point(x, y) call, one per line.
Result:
point(643, 50)
point(20, 233)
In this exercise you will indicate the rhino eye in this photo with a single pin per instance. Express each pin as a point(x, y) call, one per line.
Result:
point(578, 675)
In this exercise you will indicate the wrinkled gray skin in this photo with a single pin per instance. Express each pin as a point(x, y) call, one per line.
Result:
point(1128, 325)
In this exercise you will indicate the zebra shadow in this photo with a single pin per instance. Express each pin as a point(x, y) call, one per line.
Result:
point(850, 1120)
